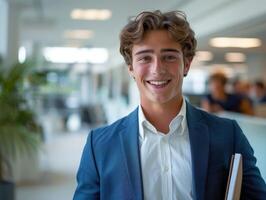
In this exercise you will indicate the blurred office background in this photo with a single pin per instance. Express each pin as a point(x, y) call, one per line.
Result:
point(77, 80)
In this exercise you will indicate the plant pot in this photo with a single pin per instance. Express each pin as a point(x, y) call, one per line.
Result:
point(7, 190)
point(26, 168)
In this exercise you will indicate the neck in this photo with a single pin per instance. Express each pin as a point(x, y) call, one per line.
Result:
point(161, 115)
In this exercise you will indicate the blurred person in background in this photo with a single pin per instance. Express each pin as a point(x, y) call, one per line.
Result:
point(219, 99)
point(259, 92)
point(166, 148)
point(241, 87)
point(258, 95)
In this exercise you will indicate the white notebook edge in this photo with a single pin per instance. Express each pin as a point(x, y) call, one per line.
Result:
point(235, 175)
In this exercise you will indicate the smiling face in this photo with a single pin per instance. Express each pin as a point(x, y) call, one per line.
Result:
point(158, 68)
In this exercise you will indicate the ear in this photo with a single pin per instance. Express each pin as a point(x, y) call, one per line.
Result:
point(187, 63)
point(130, 70)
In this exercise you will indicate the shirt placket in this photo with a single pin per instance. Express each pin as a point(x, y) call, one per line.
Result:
point(166, 169)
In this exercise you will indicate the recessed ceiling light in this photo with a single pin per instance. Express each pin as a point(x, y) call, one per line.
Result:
point(78, 34)
point(75, 55)
point(91, 14)
point(204, 56)
point(235, 57)
point(224, 42)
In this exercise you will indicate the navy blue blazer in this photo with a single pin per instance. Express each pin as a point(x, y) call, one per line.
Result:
point(110, 167)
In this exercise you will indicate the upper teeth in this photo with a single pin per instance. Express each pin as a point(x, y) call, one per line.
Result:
point(158, 82)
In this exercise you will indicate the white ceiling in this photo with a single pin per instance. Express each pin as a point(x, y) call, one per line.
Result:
point(44, 21)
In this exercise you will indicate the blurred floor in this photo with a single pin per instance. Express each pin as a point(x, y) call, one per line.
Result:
point(59, 163)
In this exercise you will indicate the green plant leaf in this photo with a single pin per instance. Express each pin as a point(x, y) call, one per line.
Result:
point(19, 131)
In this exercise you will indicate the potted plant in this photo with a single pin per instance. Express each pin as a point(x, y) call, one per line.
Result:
point(19, 132)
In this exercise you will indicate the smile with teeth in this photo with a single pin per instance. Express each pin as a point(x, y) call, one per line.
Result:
point(159, 83)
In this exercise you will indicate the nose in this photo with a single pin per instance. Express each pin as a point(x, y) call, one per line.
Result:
point(158, 67)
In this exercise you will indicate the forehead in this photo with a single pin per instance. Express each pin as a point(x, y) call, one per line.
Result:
point(156, 40)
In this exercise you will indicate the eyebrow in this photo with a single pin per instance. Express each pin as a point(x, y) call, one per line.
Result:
point(144, 51)
point(163, 50)
point(171, 50)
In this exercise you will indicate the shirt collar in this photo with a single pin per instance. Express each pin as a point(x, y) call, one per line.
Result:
point(179, 120)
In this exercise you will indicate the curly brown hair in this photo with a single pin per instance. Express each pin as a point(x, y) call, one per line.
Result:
point(175, 22)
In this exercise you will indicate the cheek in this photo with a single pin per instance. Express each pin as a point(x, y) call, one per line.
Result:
point(140, 71)
point(177, 70)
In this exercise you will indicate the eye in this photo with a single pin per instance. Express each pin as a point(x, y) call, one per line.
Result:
point(170, 58)
point(144, 59)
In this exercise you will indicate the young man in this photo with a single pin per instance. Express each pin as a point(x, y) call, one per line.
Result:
point(165, 149)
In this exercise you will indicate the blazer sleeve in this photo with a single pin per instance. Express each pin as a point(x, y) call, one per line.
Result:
point(253, 185)
point(88, 187)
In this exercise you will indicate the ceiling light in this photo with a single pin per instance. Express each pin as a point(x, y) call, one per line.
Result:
point(224, 42)
point(78, 34)
point(235, 57)
point(204, 56)
point(75, 55)
point(91, 14)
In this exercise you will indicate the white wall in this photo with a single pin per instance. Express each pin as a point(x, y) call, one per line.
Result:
point(12, 34)
point(257, 66)
point(3, 29)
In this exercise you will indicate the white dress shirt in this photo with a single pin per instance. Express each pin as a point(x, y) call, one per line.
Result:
point(166, 159)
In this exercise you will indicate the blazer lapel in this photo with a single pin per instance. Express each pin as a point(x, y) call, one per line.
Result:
point(129, 136)
point(199, 142)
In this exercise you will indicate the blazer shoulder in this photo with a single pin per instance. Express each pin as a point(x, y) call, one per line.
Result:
point(208, 118)
point(111, 132)
point(108, 129)
point(217, 124)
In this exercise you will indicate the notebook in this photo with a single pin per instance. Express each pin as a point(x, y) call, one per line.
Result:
point(234, 182)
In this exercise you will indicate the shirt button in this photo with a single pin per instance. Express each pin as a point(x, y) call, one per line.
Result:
point(166, 168)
